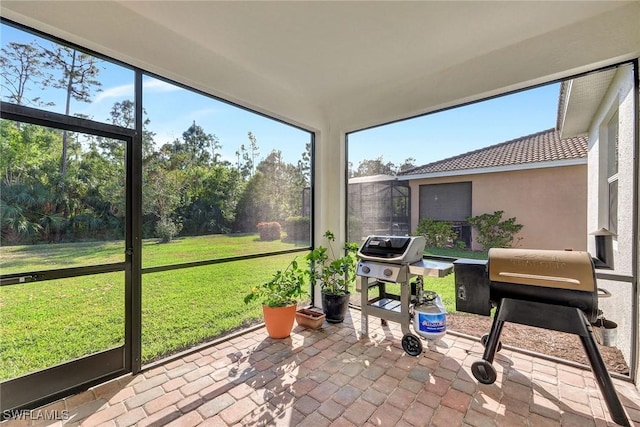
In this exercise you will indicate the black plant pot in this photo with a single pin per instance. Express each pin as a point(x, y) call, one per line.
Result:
point(335, 307)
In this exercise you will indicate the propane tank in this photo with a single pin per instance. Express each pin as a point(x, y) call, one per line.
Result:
point(430, 316)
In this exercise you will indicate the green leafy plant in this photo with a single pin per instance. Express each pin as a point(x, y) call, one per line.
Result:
point(335, 274)
point(438, 234)
point(167, 229)
point(493, 232)
point(286, 287)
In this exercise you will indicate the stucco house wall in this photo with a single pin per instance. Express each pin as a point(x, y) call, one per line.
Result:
point(550, 202)
point(618, 98)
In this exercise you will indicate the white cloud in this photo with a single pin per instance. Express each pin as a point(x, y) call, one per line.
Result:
point(127, 91)
point(115, 92)
point(156, 85)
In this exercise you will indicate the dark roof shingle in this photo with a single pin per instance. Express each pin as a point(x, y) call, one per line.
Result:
point(545, 146)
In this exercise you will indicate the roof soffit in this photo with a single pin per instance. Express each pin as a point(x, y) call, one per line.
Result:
point(351, 64)
point(581, 100)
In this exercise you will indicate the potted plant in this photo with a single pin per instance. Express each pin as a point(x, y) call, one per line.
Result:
point(279, 298)
point(334, 274)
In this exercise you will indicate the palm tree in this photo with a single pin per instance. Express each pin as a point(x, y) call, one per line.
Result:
point(19, 205)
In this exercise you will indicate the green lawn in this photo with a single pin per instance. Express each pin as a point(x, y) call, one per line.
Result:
point(46, 323)
point(455, 253)
point(184, 307)
point(43, 324)
point(17, 259)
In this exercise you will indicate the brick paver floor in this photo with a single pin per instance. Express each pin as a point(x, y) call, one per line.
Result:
point(333, 377)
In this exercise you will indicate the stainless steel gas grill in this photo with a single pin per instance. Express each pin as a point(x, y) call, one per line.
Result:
point(548, 289)
point(394, 259)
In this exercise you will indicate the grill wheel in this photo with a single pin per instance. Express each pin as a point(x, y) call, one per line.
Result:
point(411, 345)
point(484, 372)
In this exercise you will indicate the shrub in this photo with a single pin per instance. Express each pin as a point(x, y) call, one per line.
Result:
point(298, 228)
point(493, 232)
point(167, 229)
point(439, 234)
point(269, 231)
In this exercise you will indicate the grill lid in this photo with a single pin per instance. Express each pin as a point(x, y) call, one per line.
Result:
point(547, 268)
point(394, 249)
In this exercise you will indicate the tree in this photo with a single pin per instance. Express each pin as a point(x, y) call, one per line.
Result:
point(21, 64)
point(409, 163)
point(123, 114)
point(78, 77)
point(192, 150)
point(161, 196)
point(103, 206)
point(197, 144)
point(304, 165)
point(253, 206)
point(273, 193)
point(238, 160)
point(253, 153)
point(28, 151)
point(379, 167)
point(209, 199)
point(375, 167)
point(245, 167)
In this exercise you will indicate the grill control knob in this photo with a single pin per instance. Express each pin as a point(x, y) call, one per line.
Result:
point(365, 269)
point(387, 272)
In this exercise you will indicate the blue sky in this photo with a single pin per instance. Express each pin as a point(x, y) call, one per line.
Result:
point(172, 110)
point(456, 131)
point(429, 138)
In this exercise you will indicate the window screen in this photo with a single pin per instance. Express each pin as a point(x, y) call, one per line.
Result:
point(446, 202)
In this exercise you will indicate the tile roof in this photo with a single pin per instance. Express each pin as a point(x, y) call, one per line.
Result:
point(545, 146)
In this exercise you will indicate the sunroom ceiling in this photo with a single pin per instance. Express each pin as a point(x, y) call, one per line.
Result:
point(347, 65)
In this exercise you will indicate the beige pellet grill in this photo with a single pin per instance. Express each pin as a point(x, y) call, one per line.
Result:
point(548, 289)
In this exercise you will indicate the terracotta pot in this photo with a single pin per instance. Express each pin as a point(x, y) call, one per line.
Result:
point(309, 319)
point(279, 320)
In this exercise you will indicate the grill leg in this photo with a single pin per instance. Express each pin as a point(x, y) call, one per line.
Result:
point(604, 380)
point(364, 299)
point(483, 370)
point(564, 319)
point(493, 340)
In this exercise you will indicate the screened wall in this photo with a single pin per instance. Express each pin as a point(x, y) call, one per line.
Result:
point(129, 225)
point(451, 203)
point(377, 207)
